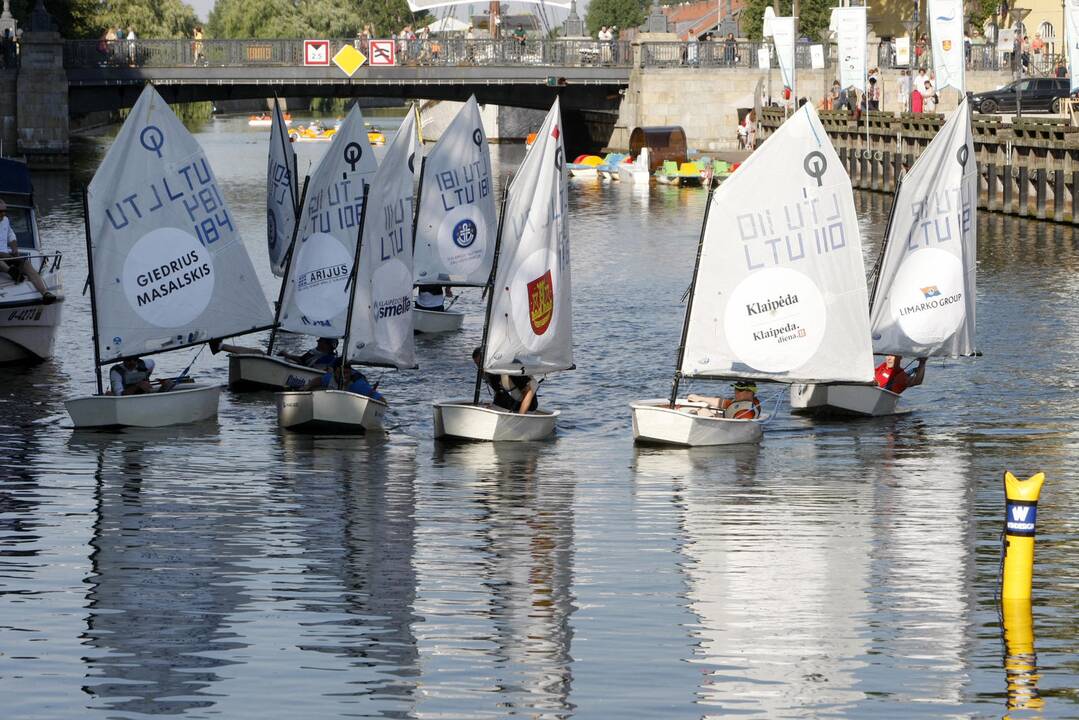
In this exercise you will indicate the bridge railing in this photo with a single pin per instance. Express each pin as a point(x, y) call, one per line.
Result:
point(736, 54)
point(268, 53)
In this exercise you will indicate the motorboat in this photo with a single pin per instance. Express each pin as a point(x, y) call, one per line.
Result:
point(28, 323)
point(265, 120)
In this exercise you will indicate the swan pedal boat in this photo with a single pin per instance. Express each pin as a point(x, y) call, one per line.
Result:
point(656, 423)
point(464, 420)
point(336, 412)
point(844, 400)
point(251, 371)
point(186, 403)
point(436, 321)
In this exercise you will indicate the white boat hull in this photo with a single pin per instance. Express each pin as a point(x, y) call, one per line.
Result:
point(27, 325)
point(436, 321)
point(329, 411)
point(842, 400)
point(250, 371)
point(462, 420)
point(654, 422)
point(585, 173)
point(632, 174)
point(187, 404)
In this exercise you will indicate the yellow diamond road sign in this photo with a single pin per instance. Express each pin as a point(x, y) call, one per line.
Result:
point(349, 59)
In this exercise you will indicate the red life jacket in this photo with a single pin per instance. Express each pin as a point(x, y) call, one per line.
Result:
point(894, 378)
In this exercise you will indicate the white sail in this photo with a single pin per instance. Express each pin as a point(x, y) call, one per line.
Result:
point(381, 324)
point(531, 330)
point(925, 293)
point(457, 221)
point(170, 267)
point(780, 291)
point(316, 292)
point(281, 193)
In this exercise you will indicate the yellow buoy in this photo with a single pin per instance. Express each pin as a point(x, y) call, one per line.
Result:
point(1020, 660)
point(1021, 514)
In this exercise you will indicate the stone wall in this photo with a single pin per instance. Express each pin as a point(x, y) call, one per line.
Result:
point(8, 119)
point(41, 102)
point(500, 123)
point(705, 101)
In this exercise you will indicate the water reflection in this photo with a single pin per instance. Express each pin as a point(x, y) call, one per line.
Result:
point(165, 566)
point(506, 615)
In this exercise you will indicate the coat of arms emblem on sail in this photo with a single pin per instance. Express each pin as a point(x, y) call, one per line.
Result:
point(541, 302)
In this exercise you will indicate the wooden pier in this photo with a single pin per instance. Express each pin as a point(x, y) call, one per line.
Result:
point(1028, 168)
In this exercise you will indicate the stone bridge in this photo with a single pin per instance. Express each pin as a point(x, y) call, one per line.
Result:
point(55, 79)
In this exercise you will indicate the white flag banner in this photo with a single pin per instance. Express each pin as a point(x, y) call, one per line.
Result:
point(282, 195)
point(531, 329)
point(764, 58)
point(925, 295)
point(457, 220)
point(782, 29)
point(316, 298)
point(902, 51)
point(946, 32)
point(849, 25)
point(780, 292)
point(381, 327)
point(1071, 36)
point(816, 56)
point(170, 267)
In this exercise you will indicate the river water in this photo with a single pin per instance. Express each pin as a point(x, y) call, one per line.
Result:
point(227, 569)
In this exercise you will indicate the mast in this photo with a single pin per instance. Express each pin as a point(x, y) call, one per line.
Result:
point(93, 293)
point(689, 305)
point(419, 198)
point(288, 269)
point(884, 245)
point(490, 289)
point(352, 279)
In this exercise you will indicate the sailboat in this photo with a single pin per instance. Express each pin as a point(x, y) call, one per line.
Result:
point(923, 300)
point(378, 327)
point(528, 329)
point(779, 289)
point(28, 322)
point(455, 217)
point(318, 253)
point(168, 268)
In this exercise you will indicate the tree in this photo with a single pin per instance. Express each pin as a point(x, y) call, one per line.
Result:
point(813, 17)
point(89, 18)
point(262, 19)
point(619, 13)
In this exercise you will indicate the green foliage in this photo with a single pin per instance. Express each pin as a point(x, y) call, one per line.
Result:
point(620, 13)
point(813, 17)
point(90, 18)
point(308, 18)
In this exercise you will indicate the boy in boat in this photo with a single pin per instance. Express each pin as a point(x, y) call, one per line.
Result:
point(892, 377)
point(348, 378)
point(516, 393)
point(131, 377)
point(432, 297)
point(320, 357)
point(744, 405)
point(12, 261)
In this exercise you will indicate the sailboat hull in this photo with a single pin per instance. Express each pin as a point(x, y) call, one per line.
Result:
point(436, 321)
point(654, 422)
point(261, 372)
point(842, 400)
point(462, 420)
point(177, 407)
point(329, 411)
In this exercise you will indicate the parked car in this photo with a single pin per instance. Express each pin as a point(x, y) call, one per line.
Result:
point(1038, 95)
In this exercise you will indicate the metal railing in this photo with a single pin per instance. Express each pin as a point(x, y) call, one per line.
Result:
point(290, 53)
point(724, 53)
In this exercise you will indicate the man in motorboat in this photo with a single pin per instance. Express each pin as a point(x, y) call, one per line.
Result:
point(12, 261)
point(516, 393)
point(743, 406)
point(321, 357)
point(432, 297)
point(891, 376)
point(131, 377)
point(346, 377)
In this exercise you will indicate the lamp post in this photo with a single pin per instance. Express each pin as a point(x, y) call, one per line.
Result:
point(1017, 15)
point(910, 25)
